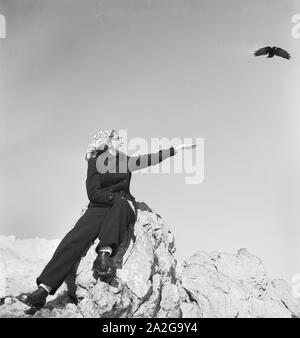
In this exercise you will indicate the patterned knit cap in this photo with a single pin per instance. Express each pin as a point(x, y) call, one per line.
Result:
point(98, 142)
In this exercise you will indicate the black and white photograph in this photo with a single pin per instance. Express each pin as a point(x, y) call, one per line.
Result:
point(150, 161)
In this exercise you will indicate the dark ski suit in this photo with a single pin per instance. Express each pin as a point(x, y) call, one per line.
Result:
point(108, 214)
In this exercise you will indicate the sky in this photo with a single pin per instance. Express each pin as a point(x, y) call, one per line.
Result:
point(173, 69)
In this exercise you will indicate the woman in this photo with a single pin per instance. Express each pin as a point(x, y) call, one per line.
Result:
point(111, 209)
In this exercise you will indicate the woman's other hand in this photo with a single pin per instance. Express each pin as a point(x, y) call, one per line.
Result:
point(184, 146)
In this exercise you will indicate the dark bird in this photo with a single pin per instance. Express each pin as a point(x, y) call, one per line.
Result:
point(272, 51)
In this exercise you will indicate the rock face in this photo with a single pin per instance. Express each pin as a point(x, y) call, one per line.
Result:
point(234, 285)
point(152, 284)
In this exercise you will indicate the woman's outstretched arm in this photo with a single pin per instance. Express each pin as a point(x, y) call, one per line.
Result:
point(143, 161)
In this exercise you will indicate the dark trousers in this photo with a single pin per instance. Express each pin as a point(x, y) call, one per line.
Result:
point(79, 239)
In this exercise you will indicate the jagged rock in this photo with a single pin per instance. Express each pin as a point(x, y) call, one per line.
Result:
point(152, 284)
point(227, 285)
point(146, 267)
point(279, 291)
point(170, 302)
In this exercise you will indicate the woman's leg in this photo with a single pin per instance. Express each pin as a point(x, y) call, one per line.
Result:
point(72, 247)
point(114, 229)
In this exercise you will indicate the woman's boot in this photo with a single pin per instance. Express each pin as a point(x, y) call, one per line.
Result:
point(35, 299)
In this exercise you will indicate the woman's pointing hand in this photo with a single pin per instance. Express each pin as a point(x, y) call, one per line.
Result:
point(184, 146)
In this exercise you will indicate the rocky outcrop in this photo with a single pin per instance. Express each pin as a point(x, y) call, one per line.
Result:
point(146, 269)
point(152, 283)
point(234, 285)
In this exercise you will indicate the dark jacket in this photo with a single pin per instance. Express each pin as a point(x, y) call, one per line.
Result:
point(106, 177)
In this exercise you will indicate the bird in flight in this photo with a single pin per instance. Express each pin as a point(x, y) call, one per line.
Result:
point(272, 51)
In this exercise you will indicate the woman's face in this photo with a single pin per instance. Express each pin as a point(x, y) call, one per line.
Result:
point(115, 141)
